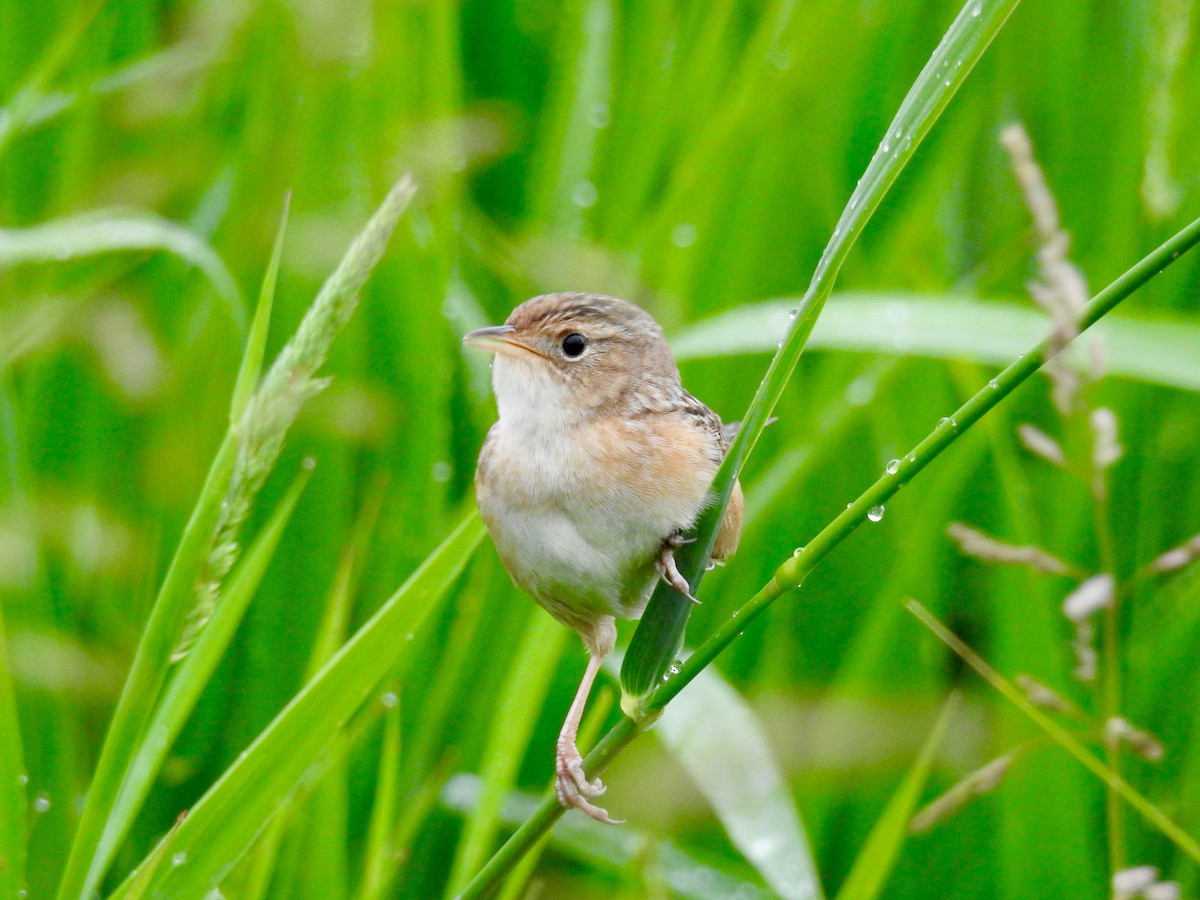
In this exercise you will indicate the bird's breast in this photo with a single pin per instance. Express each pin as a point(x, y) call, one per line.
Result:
point(585, 509)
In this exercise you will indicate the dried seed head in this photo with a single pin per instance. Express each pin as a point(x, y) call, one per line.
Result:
point(979, 782)
point(1105, 448)
point(1118, 731)
point(981, 546)
point(1086, 600)
point(1176, 558)
point(1037, 441)
point(1044, 696)
point(1130, 882)
point(1085, 652)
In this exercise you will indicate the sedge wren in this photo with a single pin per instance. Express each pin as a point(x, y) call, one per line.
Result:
point(599, 463)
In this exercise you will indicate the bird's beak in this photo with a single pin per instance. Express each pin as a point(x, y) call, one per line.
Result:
point(497, 339)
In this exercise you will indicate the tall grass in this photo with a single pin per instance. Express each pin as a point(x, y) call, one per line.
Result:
point(694, 159)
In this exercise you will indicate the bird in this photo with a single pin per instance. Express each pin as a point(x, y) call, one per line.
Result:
point(598, 465)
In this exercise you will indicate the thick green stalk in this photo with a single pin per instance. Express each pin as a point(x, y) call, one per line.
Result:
point(793, 572)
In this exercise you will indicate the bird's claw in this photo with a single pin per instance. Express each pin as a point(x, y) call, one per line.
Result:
point(668, 571)
point(572, 787)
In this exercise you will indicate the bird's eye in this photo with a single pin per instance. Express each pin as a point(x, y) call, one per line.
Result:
point(573, 345)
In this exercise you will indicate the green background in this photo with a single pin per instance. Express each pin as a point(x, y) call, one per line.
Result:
point(690, 157)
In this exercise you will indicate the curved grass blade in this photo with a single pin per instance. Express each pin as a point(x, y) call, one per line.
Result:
point(225, 821)
point(719, 741)
point(1161, 350)
point(120, 231)
point(660, 633)
point(877, 856)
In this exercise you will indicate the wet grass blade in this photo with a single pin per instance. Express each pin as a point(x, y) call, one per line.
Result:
point(225, 821)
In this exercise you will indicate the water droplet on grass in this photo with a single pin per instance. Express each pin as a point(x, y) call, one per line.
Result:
point(892, 467)
point(875, 513)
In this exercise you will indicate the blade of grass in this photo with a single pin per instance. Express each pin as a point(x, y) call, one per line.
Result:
point(256, 341)
point(18, 111)
point(186, 685)
point(949, 326)
point(877, 856)
point(208, 545)
point(379, 857)
point(12, 780)
point(660, 633)
point(719, 741)
point(1151, 813)
point(120, 231)
point(792, 573)
point(513, 720)
point(227, 818)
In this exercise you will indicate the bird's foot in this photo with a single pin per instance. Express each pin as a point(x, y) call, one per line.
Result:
point(572, 785)
point(667, 569)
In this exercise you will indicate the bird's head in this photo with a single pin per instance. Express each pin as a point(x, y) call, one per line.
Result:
point(576, 354)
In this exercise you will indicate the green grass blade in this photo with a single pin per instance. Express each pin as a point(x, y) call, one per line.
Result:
point(102, 231)
point(208, 546)
point(12, 780)
point(513, 721)
point(878, 855)
point(256, 341)
point(660, 632)
point(144, 682)
point(186, 685)
point(720, 742)
point(1161, 349)
point(226, 819)
point(20, 108)
point(380, 855)
point(1147, 810)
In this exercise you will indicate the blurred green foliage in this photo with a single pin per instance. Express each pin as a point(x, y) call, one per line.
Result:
point(690, 157)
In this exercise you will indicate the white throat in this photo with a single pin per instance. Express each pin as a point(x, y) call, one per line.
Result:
point(531, 400)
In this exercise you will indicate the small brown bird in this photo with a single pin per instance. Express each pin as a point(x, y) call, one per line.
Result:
point(599, 463)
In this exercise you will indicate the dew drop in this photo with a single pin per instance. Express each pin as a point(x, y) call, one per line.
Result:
point(892, 467)
point(977, 9)
point(442, 471)
point(600, 115)
point(179, 858)
point(389, 699)
point(735, 612)
point(23, 778)
point(912, 457)
point(584, 195)
point(875, 513)
point(41, 803)
point(683, 235)
point(993, 384)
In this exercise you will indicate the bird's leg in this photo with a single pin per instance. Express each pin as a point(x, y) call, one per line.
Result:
point(668, 571)
point(570, 783)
